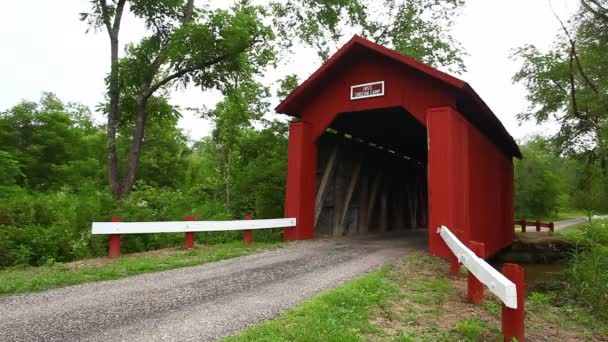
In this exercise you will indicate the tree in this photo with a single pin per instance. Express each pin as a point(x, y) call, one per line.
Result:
point(538, 186)
point(186, 45)
point(418, 28)
point(569, 83)
point(245, 102)
point(51, 143)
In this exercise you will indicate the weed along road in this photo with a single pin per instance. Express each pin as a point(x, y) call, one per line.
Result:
point(197, 303)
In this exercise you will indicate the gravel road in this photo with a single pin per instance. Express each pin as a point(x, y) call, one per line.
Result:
point(199, 303)
point(568, 223)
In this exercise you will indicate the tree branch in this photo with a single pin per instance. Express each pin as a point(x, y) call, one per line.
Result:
point(106, 17)
point(153, 88)
point(188, 11)
point(147, 88)
point(572, 85)
point(603, 13)
point(118, 16)
point(573, 52)
point(559, 86)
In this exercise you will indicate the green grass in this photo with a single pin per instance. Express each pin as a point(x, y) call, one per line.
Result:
point(474, 329)
point(413, 300)
point(339, 315)
point(31, 279)
point(564, 215)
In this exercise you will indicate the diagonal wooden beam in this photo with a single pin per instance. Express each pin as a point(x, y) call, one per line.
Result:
point(374, 195)
point(329, 168)
point(363, 200)
point(349, 194)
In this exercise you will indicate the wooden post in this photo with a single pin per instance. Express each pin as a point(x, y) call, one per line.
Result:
point(537, 225)
point(513, 320)
point(189, 236)
point(475, 288)
point(552, 226)
point(114, 242)
point(247, 234)
point(454, 266)
point(523, 225)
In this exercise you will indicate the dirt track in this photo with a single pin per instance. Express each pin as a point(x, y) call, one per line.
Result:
point(197, 303)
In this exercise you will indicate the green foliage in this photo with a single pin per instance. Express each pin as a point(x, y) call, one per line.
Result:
point(47, 203)
point(540, 299)
point(420, 28)
point(549, 186)
point(9, 169)
point(287, 86)
point(568, 84)
point(474, 329)
point(538, 185)
point(587, 274)
point(50, 142)
point(339, 315)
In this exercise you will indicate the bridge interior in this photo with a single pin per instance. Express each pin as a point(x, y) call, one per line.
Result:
point(372, 174)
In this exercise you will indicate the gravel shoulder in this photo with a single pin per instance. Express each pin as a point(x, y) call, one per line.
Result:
point(199, 303)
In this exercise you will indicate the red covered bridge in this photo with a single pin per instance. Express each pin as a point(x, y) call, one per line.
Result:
point(385, 143)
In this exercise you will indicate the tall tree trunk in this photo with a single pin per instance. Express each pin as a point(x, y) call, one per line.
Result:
point(228, 169)
point(113, 29)
point(136, 145)
point(114, 93)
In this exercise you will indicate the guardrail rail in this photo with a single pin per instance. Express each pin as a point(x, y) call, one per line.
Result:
point(116, 227)
point(537, 224)
point(508, 286)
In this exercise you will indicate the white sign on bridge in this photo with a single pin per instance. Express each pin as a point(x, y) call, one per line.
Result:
point(497, 283)
point(364, 91)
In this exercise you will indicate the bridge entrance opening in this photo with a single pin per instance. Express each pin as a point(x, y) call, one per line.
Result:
point(372, 174)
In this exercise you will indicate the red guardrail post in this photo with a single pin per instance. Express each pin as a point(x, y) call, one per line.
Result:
point(551, 227)
point(247, 234)
point(189, 236)
point(523, 225)
point(114, 242)
point(537, 225)
point(513, 319)
point(475, 288)
point(454, 266)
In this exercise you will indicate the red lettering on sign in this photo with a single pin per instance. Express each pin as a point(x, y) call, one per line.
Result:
point(362, 91)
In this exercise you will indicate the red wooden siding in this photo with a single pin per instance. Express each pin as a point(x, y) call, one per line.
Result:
point(301, 172)
point(491, 207)
point(415, 93)
point(448, 177)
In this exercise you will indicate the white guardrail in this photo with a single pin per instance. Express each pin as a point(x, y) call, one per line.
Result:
point(188, 226)
point(497, 283)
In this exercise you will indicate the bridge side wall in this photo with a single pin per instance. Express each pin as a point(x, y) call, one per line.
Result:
point(449, 178)
point(470, 184)
point(492, 193)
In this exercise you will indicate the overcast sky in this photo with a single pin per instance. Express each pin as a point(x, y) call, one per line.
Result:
point(45, 48)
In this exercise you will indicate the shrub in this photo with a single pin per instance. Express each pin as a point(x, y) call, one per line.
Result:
point(38, 226)
point(587, 273)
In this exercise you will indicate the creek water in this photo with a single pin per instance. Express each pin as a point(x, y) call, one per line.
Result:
point(539, 275)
